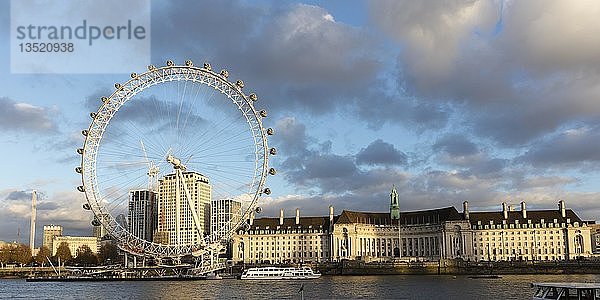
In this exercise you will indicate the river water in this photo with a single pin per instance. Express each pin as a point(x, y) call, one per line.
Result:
point(326, 287)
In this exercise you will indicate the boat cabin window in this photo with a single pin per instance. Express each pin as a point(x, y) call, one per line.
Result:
point(540, 292)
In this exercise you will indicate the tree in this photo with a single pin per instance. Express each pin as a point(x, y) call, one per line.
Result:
point(22, 254)
point(85, 256)
point(108, 252)
point(63, 252)
point(5, 255)
point(42, 254)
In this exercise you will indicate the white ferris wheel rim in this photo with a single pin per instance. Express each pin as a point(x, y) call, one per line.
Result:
point(122, 94)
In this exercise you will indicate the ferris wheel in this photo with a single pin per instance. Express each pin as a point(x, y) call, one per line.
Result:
point(162, 146)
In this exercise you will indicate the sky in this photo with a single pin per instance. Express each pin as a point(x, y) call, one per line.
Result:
point(450, 101)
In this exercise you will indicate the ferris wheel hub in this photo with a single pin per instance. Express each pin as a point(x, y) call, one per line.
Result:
point(176, 162)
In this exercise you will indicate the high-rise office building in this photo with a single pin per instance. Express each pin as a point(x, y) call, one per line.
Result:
point(174, 214)
point(142, 214)
point(51, 231)
point(225, 213)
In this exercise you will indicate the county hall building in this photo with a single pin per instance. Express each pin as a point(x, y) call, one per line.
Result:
point(434, 234)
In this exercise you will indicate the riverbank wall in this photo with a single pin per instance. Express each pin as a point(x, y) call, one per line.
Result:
point(25, 272)
point(457, 267)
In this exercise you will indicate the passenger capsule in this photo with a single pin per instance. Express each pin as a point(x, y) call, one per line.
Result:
point(253, 97)
point(93, 115)
point(86, 206)
point(79, 151)
point(81, 188)
point(78, 170)
point(96, 223)
point(207, 66)
point(272, 171)
point(267, 191)
point(258, 209)
point(273, 151)
point(224, 73)
point(263, 113)
point(151, 68)
point(134, 75)
point(104, 99)
point(240, 84)
point(270, 131)
point(169, 63)
point(85, 132)
point(189, 63)
point(118, 86)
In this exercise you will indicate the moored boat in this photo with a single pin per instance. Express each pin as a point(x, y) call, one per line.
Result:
point(279, 273)
point(566, 290)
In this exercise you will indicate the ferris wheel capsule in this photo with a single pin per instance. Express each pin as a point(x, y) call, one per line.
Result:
point(134, 75)
point(240, 84)
point(78, 170)
point(79, 151)
point(273, 151)
point(267, 191)
point(253, 97)
point(85, 132)
point(263, 113)
point(207, 67)
point(93, 115)
point(81, 188)
point(270, 131)
point(170, 63)
point(189, 63)
point(86, 206)
point(104, 99)
point(272, 171)
point(151, 68)
point(224, 73)
point(96, 223)
point(258, 209)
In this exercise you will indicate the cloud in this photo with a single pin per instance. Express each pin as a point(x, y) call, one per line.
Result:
point(508, 68)
point(381, 153)
point(18, 195)
point(456, 145)
point(20, 116)
point(569, 148)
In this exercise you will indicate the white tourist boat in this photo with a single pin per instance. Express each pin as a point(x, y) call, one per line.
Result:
point(279, 273)
point(566, 290)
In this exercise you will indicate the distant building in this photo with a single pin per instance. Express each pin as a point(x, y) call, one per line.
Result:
point(175, 217)
point(50, 232)
point(433, 234)
point(225, 213)
point(142, 215)
point(100, 231)
point(75, 242)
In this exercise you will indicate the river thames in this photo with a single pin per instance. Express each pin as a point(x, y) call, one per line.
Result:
point(327, 287)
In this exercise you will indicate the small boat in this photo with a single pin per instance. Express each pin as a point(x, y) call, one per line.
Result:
point(566, 290)
point(279, 273)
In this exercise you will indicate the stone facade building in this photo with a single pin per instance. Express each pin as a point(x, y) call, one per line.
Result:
point(442, 233)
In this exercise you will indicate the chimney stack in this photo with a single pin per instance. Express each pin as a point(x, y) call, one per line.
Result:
point(524, 209)
point(562, 208)
point(251, 218)
point(281, 217)
point(466, 210)
point(504, 211)
point(297, 216)
point(331, 214)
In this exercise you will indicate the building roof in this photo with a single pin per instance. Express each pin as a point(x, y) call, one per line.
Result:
point(291, 222)
point(431, 216)
point(534, 215)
